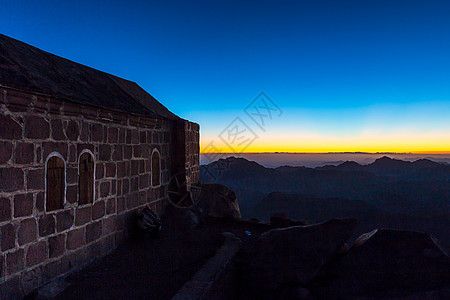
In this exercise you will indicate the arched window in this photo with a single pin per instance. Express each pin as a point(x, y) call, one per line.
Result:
point(156, 168)
point(86, 178)
point(55, 182)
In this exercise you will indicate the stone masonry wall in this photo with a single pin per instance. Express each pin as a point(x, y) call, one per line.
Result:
point(192, 156)
point(36, 245)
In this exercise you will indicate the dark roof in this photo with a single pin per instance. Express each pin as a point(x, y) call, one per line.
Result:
point(30, 69)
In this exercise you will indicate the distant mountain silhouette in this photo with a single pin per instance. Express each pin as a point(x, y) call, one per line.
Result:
point(386, 193)
point(386, 166)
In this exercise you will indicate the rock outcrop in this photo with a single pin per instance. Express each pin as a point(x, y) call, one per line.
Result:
point(217, 200)
point(388, 263)
point(292, 256)
point(281, 220)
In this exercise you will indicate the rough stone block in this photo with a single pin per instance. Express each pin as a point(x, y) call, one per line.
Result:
point(141, 166)
point(11, 179)
point(72, 193)
point(125, 186)
point(121, 135)
point(117, 154)
point(132, 201)
point(56, 245)
point(134, 167)
point(134, 137)
point(93, 231)
point(10, 128)
point(113, 187)
point(104, 152)
point(84, 135)
point(23, 205)
point(155, 138)
point(110, 170)
point(27, 231)
point(128, 136)
point(119, 188)
point(57, 130)
point(148, 165)
point(64, 220)
point(35, 179)
point(5, 152)
point(98, 210)
point(134, 184)
point(111, 206)
point(142, 137)
point(75, 239)
point(72, 175)
point(5, 209)
point(73, 154)
point(83, 215)
point(104, 189)
point(72, 130)
point(36, 127)
point(137, 151)
point(121, 169)
point(142, 197)
point(46, 225)
point(109, 225)
point(14, 261)
point(24, 153)
point(127, 151)
point(38, 156)
point(99, 171)
point(97, 133)
point(40, 201)
point(113, 134)
point(144, 181)
point(120, 204)
point(36, 253)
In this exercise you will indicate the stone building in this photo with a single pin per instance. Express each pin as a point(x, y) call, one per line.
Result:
point(81, 152)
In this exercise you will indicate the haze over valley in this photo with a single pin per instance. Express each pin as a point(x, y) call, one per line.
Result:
point(387, 193)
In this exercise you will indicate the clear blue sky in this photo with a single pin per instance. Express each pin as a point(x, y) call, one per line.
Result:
point(348, 75)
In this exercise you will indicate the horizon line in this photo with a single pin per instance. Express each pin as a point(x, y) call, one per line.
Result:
point(331, 152)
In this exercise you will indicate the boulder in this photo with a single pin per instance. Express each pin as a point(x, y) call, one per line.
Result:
point(292, 256)
point(217, 200)
point(389, 263)
point(281, 220)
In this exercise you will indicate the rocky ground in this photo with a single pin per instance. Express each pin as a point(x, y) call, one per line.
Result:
point(284, 259)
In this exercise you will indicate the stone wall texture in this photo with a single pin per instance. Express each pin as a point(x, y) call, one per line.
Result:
point(36, 245)
point(192, 150)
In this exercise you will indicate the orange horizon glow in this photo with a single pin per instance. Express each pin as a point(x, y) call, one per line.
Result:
point(334, 152)
point(334, 146)
point(437, 142)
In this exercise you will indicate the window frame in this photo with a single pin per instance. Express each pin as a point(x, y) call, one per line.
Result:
point(64, 202)
point(93, 178)
point(151, 171)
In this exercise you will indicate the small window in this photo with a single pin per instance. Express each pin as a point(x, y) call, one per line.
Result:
point(86, 178)
point(56, 183)
point(156, 169)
